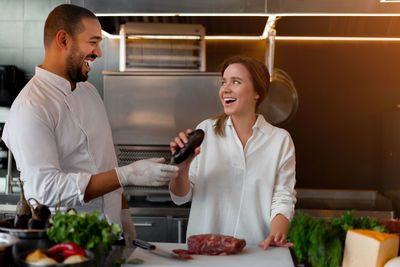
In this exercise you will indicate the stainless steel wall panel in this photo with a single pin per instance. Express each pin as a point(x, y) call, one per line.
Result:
point(150, 109)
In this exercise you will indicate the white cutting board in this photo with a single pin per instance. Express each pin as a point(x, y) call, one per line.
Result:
point(251, 256)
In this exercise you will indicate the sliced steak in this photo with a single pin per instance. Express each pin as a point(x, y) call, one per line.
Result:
point(213, 244)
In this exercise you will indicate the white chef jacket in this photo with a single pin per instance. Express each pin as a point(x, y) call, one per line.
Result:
point(236, 191)
point(59, 139)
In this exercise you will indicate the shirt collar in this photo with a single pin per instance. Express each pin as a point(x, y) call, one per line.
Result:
point(57, 81)
point(261, 124)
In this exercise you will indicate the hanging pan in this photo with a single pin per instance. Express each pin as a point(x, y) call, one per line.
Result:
point(281, 102)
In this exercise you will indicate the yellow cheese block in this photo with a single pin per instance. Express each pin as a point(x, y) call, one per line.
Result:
point(369, 248)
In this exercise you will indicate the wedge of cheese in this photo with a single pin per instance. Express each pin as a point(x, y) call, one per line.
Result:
point(369, 248)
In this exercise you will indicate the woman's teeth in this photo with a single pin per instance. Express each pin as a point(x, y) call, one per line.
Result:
point(229, 100)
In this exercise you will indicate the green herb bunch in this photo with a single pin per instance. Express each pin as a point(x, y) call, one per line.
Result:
point(86, 230)
point(320, 242)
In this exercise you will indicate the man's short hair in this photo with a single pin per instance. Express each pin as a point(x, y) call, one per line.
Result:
point(65, 17)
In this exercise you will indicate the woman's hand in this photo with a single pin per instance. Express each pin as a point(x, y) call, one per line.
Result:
point(180, 185)
point(178, 143)
point(276, 240)
point(277, 237)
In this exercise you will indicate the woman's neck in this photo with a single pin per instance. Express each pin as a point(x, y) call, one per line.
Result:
point(244, 126)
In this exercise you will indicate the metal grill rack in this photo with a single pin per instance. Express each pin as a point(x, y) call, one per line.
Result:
point(162, 47)
point(127, 154)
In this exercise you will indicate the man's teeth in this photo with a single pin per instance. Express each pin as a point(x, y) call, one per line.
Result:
point(88, 62)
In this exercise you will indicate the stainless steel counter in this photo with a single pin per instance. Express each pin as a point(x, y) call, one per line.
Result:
point(325, 203)
point(159, 211)
point(328, 203)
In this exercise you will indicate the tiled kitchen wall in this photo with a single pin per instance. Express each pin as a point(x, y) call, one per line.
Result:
point(21, 32)
point(21, 36)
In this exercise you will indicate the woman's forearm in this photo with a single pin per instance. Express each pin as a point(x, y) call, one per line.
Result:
point(279, 224)
point(180, 186)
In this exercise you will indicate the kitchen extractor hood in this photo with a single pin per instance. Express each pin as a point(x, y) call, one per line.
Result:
point(239, 7)
point(173, 6)
point(328, 18)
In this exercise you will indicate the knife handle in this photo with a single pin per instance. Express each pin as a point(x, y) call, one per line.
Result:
point(143, 244)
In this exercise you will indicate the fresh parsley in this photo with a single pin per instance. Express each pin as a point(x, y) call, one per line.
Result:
point(321, 242)
point(86, 230)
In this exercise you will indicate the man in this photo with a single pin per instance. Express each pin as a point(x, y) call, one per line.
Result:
point(59, 132)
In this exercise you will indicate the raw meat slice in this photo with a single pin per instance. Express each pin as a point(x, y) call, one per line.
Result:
point(213, 244)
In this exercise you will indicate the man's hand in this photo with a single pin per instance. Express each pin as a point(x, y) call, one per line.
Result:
point(147, 172)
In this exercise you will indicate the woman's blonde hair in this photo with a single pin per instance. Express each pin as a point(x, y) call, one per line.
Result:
point(259, 76)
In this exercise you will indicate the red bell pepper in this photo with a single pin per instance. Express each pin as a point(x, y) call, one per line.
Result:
point(67, 249)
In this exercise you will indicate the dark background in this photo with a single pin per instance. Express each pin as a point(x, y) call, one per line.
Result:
point(344, 89)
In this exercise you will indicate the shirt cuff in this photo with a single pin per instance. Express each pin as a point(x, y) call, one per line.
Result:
point(82, 182)
point(181, 200)
point(287, 213)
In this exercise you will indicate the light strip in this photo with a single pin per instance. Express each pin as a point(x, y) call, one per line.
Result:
point(226, 37)
point(389, 1)
point(250, 14)
point(257, 38)
point(182, 15)
point(108, 35)
point(165, 37)
point(331, 38)
point(337, 14)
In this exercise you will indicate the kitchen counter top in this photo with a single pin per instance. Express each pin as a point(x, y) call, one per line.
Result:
point(321, 203)
point(250, 256)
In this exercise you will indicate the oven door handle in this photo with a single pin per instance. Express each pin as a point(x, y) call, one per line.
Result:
point(146, 224)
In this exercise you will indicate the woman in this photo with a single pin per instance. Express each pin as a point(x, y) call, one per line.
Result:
point(242, 182)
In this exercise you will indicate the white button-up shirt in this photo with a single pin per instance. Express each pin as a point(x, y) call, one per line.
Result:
point(59, 139)
point(236, 191)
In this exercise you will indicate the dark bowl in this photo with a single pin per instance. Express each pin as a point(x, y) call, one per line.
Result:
point(7, 241)
point(24, 233)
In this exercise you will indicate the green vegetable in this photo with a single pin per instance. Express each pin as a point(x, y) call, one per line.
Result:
point(321, 242)
point(86, 230)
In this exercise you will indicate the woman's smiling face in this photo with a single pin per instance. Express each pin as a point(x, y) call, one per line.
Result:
point(237, 92)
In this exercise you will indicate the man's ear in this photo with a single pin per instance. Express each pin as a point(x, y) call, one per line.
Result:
point(62, 39)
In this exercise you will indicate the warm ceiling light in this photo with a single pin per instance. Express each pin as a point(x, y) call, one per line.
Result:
point(182, 15)
point(226, 37)
point(389, 1)
point(331, 38)
point(165, 37)
point(108, 35)
point(337, 14)
point(253, 14)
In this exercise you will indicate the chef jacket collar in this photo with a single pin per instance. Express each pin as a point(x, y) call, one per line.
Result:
point(261, 124)
point(57, 81)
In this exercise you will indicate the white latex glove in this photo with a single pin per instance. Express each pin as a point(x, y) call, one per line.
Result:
point(147, 172)
point(128, 229)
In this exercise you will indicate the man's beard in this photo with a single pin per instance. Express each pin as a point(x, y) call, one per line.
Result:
point(74, 65)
